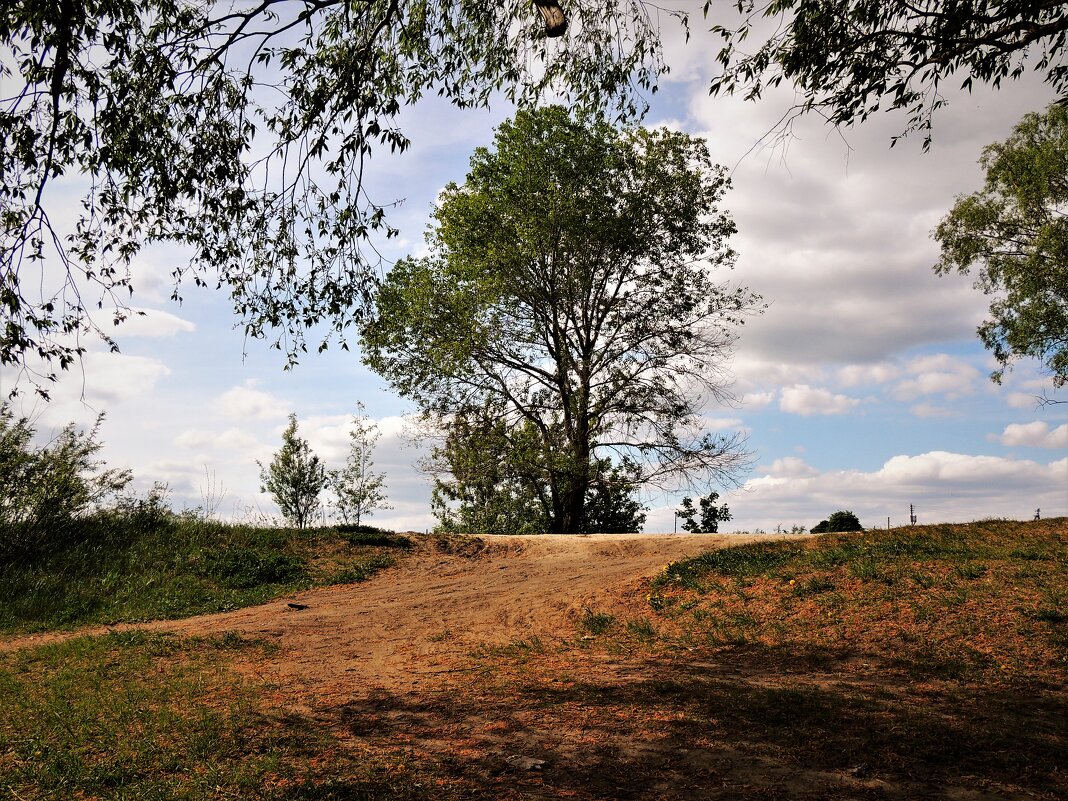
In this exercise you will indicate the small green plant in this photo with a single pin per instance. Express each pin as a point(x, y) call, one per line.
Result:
point(368, 535)
point(641, 628)
point(357, 488)
point(45, 491)
point(597, 623)
point(244, 568)
point(971, 570)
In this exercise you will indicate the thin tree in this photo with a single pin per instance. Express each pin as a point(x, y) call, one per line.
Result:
point(358, 489)
point(295, 478)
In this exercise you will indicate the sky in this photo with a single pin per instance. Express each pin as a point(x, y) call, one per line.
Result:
point(862, 387)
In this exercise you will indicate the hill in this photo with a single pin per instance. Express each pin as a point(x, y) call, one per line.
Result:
point(921, 662)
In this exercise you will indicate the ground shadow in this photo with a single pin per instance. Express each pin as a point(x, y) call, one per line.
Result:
point(743, 723)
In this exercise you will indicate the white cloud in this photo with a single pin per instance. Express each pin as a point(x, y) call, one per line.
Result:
point(232, 439)
point(805, 400)
point(791, 467)
point(1034, 435)
point(944, 486)
point(722, 423)
point(757, 400)
point(857, 374)
point(248, 403)
point(939, 374)
point(1022, 400)
point(153, 323)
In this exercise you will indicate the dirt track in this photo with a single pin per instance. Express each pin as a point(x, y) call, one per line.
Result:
point(410, 626)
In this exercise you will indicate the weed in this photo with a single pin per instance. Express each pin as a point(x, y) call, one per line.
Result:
point(597, 623)
point(130, 570)
point(641, 628)
point(816, 585)
point(971, 570)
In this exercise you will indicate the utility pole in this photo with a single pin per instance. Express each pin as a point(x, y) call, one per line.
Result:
point(912, 514)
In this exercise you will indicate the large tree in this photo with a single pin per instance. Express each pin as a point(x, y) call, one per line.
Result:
point(848, 59)
point(240, 130)
point(1014, 232)
point(569, 285)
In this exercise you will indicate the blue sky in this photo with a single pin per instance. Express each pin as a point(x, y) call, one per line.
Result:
point(862, 387)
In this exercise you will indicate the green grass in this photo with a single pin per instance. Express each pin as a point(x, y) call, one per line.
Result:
point(120, 571)
point(156, 717)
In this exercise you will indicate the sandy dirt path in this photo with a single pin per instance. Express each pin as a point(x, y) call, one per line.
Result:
point(412, 625)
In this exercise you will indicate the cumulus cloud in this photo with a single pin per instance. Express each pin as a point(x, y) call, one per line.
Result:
point(865, 374)
point(1034, 435)
point(245, 402)
point(791, 467)
point(944, 487)
point(232, 439)
point(154, 323)
point(805, 400)
point(940, 374)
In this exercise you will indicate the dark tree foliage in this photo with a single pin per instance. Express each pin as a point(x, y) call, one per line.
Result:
point(240, 130)
point(851, 58)
point(490, 480)
point(839, 521)
point(569, 290)
point(1014, 232)
point(711, 514)
point(611, 507)
point(45, 489)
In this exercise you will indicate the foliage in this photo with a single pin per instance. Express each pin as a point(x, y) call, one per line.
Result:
point(838, 521)
point(242, 131)
point(46, 489)
point(568, 299)
point(711, 514)
point(1014, 232)
point(847, 59)
point(611, 507)
point(357, 488)
point(294, 478)
point(486, 478)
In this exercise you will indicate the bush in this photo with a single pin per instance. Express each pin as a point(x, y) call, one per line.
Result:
point(839, 521)
point(47, 488)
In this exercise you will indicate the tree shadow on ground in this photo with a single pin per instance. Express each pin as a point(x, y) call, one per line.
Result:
point(748, 723)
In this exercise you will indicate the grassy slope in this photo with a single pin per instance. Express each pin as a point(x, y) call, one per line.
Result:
point(926, 662)
point(128, 570)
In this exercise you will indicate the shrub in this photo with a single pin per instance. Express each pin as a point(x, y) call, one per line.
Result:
point(839, 521)
point(45, 489)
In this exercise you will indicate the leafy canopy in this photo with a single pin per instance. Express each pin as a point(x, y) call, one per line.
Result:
point(848, 59)
point(569, 292)
point(842, 520)
point(1014, 232)
point(241, 132)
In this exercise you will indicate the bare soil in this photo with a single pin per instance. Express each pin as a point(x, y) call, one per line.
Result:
point(413, 625)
